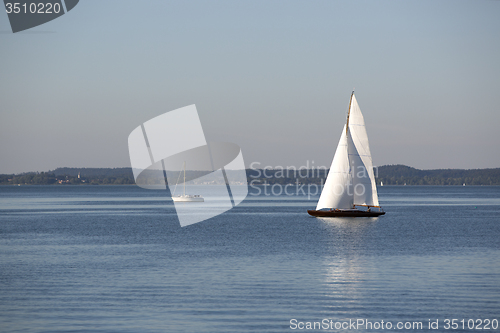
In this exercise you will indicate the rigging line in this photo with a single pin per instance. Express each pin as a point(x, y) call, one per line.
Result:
point(177, 182)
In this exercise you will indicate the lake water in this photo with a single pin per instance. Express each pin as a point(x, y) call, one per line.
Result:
point(114, 259)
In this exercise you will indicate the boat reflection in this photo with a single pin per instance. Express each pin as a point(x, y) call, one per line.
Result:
point(345, 271)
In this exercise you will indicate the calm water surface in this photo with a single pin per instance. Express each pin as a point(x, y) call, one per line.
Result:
point(114, 259)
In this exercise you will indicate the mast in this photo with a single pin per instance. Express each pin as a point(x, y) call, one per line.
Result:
point(184, 178)
point(347, 136)
point(348, 113)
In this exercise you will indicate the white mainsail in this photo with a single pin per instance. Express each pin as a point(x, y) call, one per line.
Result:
point(335, 193)
point(351, 180)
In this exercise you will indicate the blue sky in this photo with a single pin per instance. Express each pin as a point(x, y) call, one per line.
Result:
point(272, 76)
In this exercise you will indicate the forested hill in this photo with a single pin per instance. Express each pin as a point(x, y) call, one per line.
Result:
point(402, 174)
point(388, 174)
point(94, 172)
point(72, 176)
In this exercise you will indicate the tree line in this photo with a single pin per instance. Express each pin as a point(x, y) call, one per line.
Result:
point(387, 174)
point(405, 175)
point(72, 176)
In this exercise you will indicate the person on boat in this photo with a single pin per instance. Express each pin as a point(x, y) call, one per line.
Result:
point(368, 209)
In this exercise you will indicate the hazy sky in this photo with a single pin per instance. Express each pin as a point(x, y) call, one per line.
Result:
point(272, 76)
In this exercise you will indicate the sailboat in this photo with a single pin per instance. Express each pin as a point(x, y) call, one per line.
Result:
point(185, 197)
point(350, 183)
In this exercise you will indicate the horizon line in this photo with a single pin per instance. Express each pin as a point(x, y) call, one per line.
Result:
point(273, 169)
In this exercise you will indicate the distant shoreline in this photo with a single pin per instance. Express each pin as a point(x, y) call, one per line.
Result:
point(14, 185)
point(387, 175)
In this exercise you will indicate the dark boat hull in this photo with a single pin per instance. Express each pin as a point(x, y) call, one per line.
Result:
point(344, 213)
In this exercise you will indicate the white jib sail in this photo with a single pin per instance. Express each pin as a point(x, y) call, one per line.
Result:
point(336, 191)
point(364, 187)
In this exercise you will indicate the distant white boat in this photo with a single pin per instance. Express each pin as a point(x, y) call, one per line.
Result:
point(186, 197)
point(381, 184)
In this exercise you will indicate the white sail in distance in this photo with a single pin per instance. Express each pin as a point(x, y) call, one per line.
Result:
point(351, 180)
